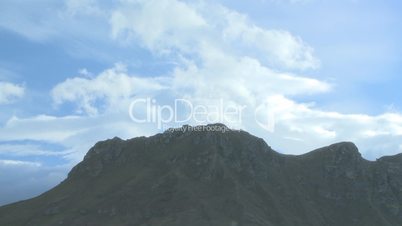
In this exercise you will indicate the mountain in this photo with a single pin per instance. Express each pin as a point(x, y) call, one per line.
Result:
point(195, 177)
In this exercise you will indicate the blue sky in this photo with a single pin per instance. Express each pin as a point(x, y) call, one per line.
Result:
point(327, 71)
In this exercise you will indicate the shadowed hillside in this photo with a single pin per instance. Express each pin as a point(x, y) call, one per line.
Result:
point(206, 178)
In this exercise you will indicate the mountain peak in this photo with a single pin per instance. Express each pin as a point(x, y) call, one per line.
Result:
point(205, 141)
point(220, 177)
point(347, 149)
point(342, 152)
point(345, 146)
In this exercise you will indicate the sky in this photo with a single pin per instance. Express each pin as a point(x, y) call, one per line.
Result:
point(304, 74)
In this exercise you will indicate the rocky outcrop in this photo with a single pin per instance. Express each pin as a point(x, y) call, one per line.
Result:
point(203, 176)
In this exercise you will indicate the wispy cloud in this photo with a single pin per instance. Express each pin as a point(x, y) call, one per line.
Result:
point(6, 162)
point(10, 92)
point(189, 28)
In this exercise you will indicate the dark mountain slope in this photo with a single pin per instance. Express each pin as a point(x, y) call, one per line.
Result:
point(214, 178)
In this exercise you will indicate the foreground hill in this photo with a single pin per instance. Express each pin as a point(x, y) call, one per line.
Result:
point(206, 178)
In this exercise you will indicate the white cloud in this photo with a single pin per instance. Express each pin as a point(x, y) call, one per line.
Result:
point(74, 134)
point(42, 128)
point(163, 26)
point(160, 24)
point(315, 128)
point(324, 132)
point(9, 92)
point(375, 133)
point(107, 91)
point(276, 47)
point(243, 77)
point(169, 25)
point(22, 150)
point(5, 162)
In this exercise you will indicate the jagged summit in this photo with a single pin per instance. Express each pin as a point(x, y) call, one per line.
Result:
point(195, 176)
point(342, 152)
point(209, 141)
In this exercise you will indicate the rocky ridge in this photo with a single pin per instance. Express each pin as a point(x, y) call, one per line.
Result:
point(226, 177)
